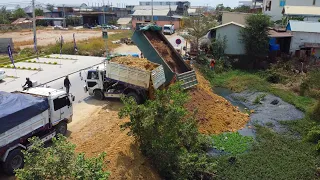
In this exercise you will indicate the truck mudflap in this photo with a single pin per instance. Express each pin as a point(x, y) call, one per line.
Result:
point(158, 77)
point(188, 79)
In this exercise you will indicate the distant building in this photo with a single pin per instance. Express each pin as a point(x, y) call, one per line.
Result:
point(274, 8)
point(306, 37)
point(182, 6)
point(29, 10)
point(162, 15)
point(309, 13)
point(236, 17)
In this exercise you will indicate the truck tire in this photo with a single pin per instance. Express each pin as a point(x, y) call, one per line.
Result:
point(98, 95)
point(62, 128)
point(14, 161)
point(135, 96)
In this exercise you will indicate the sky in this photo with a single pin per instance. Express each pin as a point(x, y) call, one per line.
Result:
point(213, 3)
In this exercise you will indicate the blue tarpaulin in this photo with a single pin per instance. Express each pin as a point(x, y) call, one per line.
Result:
point(16, 108)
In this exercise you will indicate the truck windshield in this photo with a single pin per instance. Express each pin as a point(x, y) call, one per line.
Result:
point(92, 75)
point(166, 28)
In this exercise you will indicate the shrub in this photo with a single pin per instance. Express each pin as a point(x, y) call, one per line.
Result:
point(23, 67)
point(55, 63)
point(47, 56)
point(59, 161)
point(29, 61)
point(49, 62)
point(316, 112)
point(168, 135)
point(35, 69)
point(313, 135)
point(29, 68)
point(18, 67)
point(259, 98)
point(34, 61)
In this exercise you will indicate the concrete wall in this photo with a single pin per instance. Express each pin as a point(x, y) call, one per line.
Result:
point(237, 17)
point(232, 33)
point(276, 9)
point(299, 38)
point(159, 23)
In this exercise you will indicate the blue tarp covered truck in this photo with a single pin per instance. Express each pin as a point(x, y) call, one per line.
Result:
point(42, 112)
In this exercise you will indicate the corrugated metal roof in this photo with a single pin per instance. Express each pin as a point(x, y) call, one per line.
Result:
point(302, 10)
point(124, 21)
point(227, 24)
point(149, 13)
point(173, 8)
point(304, 26)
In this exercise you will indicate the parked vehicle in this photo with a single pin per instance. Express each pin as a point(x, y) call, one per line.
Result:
point(168, 29)
point(41, 112)
point(113, 80)
point(2, 74)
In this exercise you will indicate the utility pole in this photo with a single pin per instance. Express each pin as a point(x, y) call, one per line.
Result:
point(152, 11)
point(104, 12)
point(34, 24)
point(64, 18)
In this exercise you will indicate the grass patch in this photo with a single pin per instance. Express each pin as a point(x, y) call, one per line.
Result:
point(259, 98)
point(272, 157)
point(238, 81)
point(233, 143)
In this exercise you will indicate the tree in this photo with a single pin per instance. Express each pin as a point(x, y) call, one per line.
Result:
point(218, 47)
point(4, 15)
point(168, 135)
point(19, 13)
point(59, 162)
point(39, 12)
point(198, 26)
point(50, 7)
point(244, 9)
point(255, 35)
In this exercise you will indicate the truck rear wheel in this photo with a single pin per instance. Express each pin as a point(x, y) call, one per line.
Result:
point(62, 128)
point(98, 95)
point(135, 96)
point(14, 161)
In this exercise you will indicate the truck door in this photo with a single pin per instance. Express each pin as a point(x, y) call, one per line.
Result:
point(61, 109)
point(93, 81)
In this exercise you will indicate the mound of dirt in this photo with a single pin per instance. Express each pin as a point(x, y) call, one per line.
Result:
point(214, 113)
point(101, 133)
point(140, 63)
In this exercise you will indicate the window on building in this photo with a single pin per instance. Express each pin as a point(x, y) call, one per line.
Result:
point(139, 18)
point(167, 3)
point(268, 5)
point(148, 3)
point(314, 2)
point(282, 3)
point(160, 3)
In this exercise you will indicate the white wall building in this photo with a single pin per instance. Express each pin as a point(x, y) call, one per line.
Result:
point(306, 35)
point(274, 7)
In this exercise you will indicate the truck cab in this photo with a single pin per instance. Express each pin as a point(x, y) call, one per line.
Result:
point(168, 29)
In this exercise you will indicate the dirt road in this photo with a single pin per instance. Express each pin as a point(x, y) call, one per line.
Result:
point(96, 129)
point(46, 37)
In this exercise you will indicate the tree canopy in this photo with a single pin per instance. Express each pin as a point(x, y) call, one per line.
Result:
point(255, 35)
point(18, 13)
point(39, 12)
point(4, 15)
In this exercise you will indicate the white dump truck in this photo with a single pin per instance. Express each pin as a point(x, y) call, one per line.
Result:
point(41, 112)
point(113, 80)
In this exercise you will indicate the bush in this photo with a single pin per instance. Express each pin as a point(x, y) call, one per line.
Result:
point(313, 135)
point(55, 63)
point(49, 62)
point(29, 68)
point(23, 68)
point(168, 135)
point(34, 61)
point(35, 69)
point(59, 161)
point(316, 112)
point(259, 98)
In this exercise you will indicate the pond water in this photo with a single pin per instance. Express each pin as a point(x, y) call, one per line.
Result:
point(227, 94)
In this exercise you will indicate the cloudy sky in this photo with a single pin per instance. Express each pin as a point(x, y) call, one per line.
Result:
point(231, 3)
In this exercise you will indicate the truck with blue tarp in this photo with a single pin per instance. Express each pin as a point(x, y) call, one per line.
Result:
point(156, 48)
point(41, 112)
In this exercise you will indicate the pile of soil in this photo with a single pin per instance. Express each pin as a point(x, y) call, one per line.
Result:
point(100, 132)
point(141, 63)
point(214, 113)
point(164, 51)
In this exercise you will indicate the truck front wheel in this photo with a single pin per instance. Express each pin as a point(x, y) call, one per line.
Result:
point(14, 161)
point(135, 96)
point(98, 95)
point(62, 128)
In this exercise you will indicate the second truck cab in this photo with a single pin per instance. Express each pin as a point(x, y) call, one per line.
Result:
point(168, 29)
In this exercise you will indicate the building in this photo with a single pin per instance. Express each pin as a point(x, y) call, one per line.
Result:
point(125, 22)
point(236, 17)
point(162, 15)
point(309, 13)
point(182, 6)
point(231, 31)
point(274, 8)
point(29, 10)
point(306, 37)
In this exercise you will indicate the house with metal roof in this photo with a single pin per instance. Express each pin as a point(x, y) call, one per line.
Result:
point(309, 13)
point(306, 37)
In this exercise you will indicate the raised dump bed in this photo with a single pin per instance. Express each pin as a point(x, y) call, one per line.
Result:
point(156, 48)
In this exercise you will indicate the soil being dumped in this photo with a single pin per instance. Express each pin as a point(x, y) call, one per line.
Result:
point(140, 63)
point(214, 113)
point(100, 132)
point(164, 51)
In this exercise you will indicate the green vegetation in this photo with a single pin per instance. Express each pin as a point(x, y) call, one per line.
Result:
point(259, 98)
point(272, 156)
point(168, 135)
point(59, 161)
point(233, 143)
point(55, 63)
